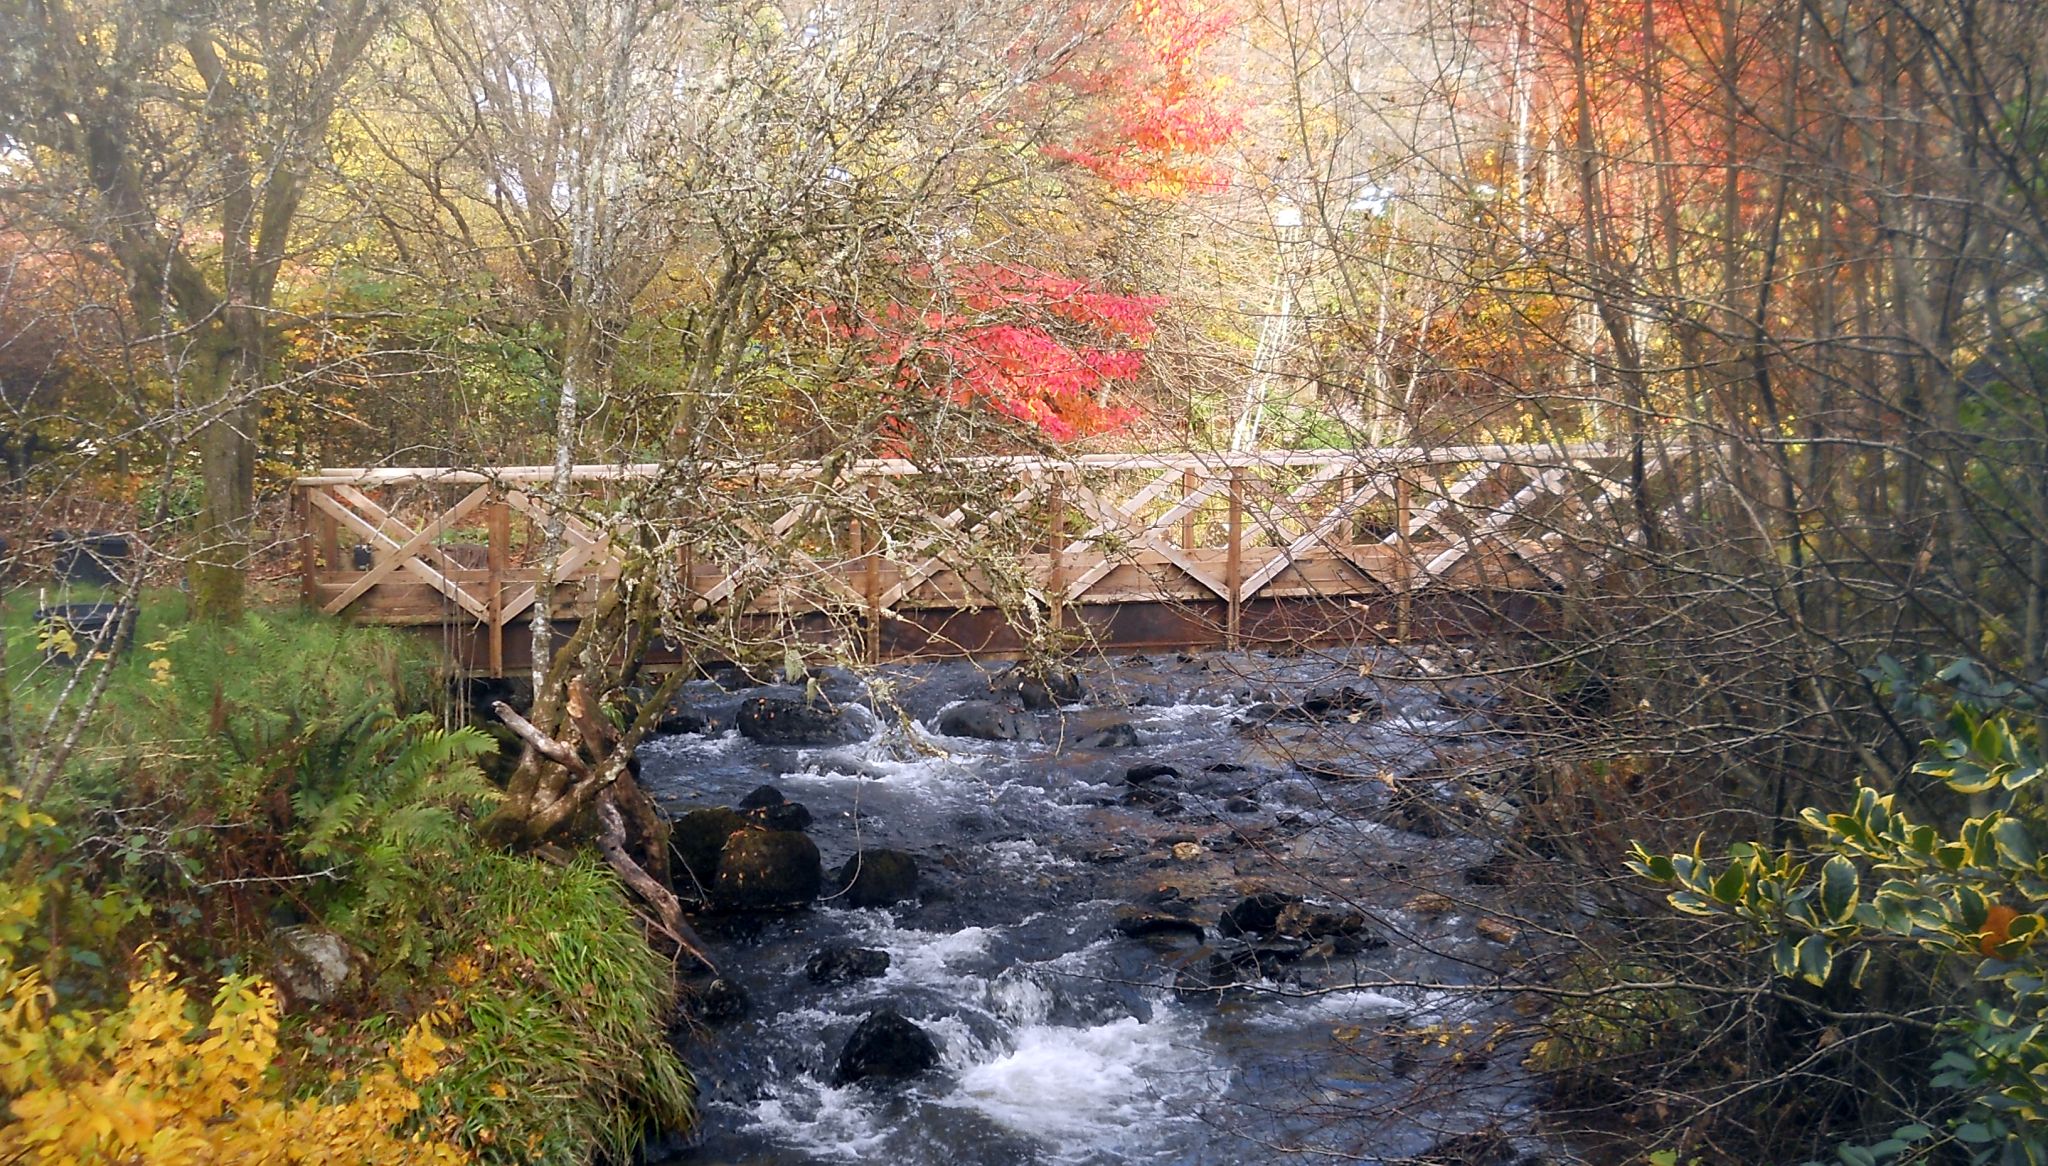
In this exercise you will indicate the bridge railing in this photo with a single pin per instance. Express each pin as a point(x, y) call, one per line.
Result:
point(889, 542)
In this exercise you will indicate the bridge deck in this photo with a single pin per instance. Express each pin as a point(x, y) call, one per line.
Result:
point(1135, 551)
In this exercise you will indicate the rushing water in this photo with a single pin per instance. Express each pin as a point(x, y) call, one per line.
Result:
point(1062, 1040)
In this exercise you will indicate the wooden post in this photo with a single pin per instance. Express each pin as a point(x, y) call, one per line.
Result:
point(1347, 526)
point(871, 586)
point(1056, 547)
point(330, 535)
point(1404, 519)
point(1233, 569)
point(308, 564)
point(1188, 484)
point(871, 636)
point(499, 516)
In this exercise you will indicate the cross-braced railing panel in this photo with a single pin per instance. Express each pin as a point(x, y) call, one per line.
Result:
point(885, 539)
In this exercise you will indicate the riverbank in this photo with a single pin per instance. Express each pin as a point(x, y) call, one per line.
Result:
point(275, 816)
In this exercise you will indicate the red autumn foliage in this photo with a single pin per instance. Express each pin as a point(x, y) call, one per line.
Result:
point(1045, 349)
point(1155, 110)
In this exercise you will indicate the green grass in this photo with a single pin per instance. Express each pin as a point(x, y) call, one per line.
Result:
point(564, 1049)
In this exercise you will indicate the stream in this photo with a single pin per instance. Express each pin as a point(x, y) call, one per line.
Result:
point(1070, 1031)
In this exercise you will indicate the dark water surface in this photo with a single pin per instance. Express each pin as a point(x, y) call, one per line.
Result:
point(1062, 1040)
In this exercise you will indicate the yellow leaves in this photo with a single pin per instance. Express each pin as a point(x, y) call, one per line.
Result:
point(464, 971)
point(142, 1086)
point(418, 1050)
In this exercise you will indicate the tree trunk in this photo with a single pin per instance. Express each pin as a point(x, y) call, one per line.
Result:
point(227, 463)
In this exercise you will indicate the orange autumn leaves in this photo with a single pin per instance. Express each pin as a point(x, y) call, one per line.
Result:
point(1156, 112)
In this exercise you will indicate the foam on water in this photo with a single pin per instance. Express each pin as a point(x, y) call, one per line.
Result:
point(807, 1114)
point(1084, 1090)
point(691, 745)
point(1414, 1008)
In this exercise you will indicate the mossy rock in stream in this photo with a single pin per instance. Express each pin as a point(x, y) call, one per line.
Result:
point(766, 870)
point(877, 877)
point(695, 842)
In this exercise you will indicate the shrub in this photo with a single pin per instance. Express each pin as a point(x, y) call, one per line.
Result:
point(1882, 883)
point(135, 1086)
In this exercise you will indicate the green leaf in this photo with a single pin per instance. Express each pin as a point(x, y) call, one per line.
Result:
point(1840, 888)
point(1816, 959)
point(1970, 778)
point(1728, 887)
point(2015, 844)
point(1912, 1133)
point(1785, 958)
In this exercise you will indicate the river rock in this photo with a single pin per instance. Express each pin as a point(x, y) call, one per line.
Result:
point(1346, 702)
point(309, 965)
point(1303, 921)
point(1117, 736)
point(843, 964)
point(1139, 923)
point(767, 806)
point(1150, 771)
point(775, 720)
point(767, 870)
point(1041, 691)
point(887, 1046)
point(877, 877)
point(719, 1001)
point(680, 721)
point(1256, 914)
point(1429, 905)
point(981, 720)
point(695, 841)
point(1499, 931)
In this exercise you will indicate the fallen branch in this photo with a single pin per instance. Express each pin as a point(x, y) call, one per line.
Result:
point(611, 842)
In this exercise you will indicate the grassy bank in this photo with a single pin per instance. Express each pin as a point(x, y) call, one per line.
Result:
point(290, 772)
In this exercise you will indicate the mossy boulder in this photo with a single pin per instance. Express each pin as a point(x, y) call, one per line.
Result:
point(877, 877)
point(767, 870)
point(695, 842)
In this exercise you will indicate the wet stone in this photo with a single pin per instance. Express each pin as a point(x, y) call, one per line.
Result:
point(981, 720)
point(1496, 930)
point(885, 1046)
point(719, 1001)
point(774, 720)
point(843, 964)
point(1118, 736)
point(1256, 914)
point(1429, 905)
point(1040, 691)
point(1150, 772)
point(1302, 921)
point(1139, 923)
point(877, 877)
point(767, 870)
point(695, 842)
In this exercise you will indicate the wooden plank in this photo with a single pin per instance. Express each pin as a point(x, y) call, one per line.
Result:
point(499, 518)
point(410, 563)
point(1233, 571)
point(406, 551)
point(1379, 460)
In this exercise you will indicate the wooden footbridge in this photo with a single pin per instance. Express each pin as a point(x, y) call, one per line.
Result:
point(1133, 551)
